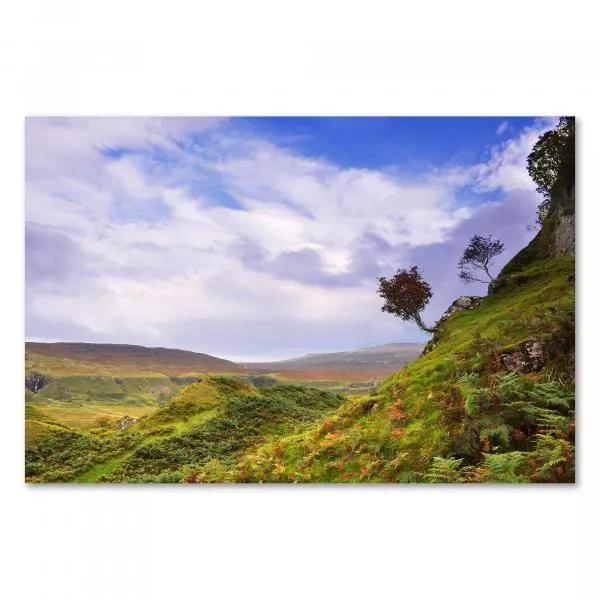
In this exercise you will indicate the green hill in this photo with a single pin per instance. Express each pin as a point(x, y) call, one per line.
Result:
point(61, 359)
point(212, 422)
point(78, 384)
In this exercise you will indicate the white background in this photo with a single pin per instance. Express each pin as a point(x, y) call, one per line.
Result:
point(266, 58)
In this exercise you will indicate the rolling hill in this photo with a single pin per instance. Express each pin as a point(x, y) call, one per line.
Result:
point(66, 358)
point(354, 365)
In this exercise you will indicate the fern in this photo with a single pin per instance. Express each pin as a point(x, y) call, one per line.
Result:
point(469, 388)
point(555, 459)
point(511, 384)
point(407, 477)
point(500, 435)
point(503, 468)
point(445, 470)
point(551, 394)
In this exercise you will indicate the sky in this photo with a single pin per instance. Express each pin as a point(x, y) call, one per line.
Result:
point(261, 238)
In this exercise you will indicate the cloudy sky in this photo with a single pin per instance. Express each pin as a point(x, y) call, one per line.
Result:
point(260, 238)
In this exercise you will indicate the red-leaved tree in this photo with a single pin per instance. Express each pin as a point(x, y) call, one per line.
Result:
point(406, 294)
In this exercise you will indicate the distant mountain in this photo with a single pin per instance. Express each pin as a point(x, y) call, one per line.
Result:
point(352, 365)
point(120, 359)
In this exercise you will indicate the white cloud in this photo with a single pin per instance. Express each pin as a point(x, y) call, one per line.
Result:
point(506, 169)
point(502, 128)
point(159, 253)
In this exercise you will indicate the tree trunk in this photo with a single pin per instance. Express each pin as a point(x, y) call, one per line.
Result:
point(417, 319)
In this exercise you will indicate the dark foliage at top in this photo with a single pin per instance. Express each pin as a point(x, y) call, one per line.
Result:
point(406, 294)
point(552, 159)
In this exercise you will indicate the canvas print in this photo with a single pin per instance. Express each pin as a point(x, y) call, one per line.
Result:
point(300, 300)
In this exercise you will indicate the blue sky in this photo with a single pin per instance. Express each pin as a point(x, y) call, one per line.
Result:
point(260, 238)
point(408, 144)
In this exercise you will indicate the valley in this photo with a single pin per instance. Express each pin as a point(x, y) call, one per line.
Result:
point(79, 385)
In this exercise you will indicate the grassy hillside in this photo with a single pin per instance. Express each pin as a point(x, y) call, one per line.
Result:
point(209, 422)
point(80, 384)
point(457, 413)
point(62, 359)
point(352, 366)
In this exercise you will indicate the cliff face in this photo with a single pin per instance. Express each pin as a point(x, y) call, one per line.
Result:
point(562, 236)
point(556, 238)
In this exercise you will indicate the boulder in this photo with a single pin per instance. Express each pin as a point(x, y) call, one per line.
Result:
point(126, 422)
point(462, 303)
point(531, 356)
point(515, 362)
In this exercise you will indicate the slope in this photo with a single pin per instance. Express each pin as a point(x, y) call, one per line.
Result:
point(355, 365)
point(458, 413)
point(120, 359)
point(216, 419)
point(78, 385)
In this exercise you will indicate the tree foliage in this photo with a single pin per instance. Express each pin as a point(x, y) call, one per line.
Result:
point(477, 257)
point(406, 294)
point(552, 158)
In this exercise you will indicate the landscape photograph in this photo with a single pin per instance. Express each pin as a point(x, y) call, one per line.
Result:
point(373, 300)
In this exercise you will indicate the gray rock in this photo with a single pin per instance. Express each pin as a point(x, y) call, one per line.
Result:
point(462, 303)
point(532, 356)
point(515, 362)
point(126, 422)
point(36, 381)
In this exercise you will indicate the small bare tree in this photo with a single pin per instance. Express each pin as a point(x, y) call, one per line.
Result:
point(477, 257)
point(406, 295)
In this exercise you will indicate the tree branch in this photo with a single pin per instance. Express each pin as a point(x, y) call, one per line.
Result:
point(417, 319)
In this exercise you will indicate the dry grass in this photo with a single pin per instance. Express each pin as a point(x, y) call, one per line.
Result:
point(87, 416)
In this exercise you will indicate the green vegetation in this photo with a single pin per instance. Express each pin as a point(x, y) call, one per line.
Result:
point(552, 161)
point(209, 421)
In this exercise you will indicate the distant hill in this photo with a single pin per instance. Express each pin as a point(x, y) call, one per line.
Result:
point(374, 362)
point(120, 359)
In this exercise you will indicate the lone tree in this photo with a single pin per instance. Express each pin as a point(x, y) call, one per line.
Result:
point(552, 159)
point(406, 294)
point(478, 256)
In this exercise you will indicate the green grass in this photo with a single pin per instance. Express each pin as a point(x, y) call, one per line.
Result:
point(216, 418)
point(86, 416)
point(100, 470)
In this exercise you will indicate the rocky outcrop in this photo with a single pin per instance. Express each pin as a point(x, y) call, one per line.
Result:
point(36, 381)
point(460, 304)
point(555, 239)
point(528, 358)
point(563, 240)
point(125, 422)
